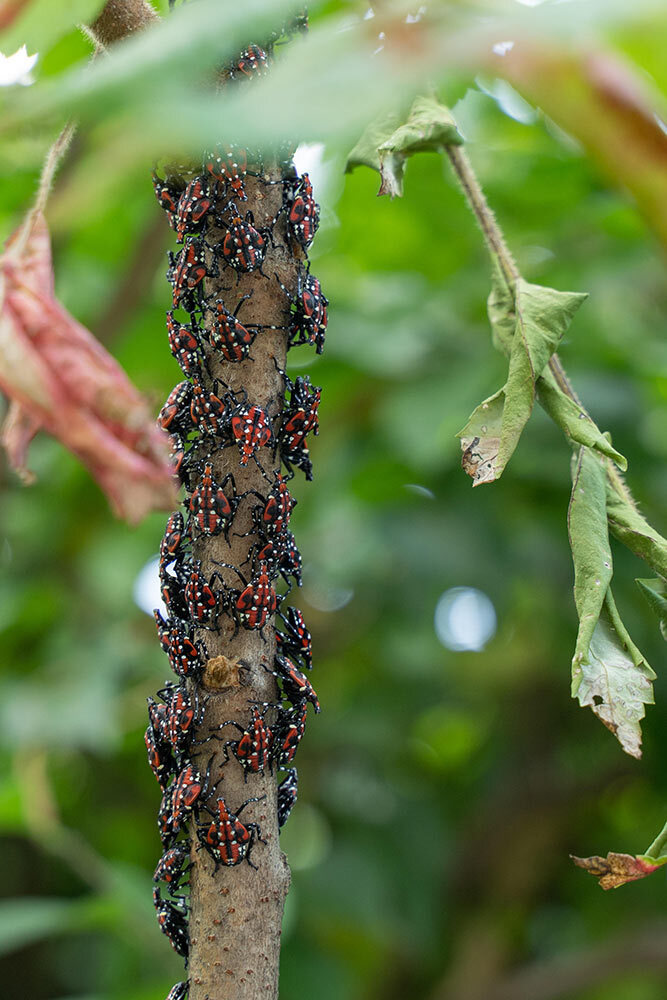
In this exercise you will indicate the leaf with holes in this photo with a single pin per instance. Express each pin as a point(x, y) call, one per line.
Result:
point(528, 322)
point(609, 673)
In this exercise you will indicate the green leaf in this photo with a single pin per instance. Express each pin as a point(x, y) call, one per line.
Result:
point(609, 673)
point(136, 69)
point(528, 323)
point(386, 144)
point(655, 592)
point(366, 153)
point(501, 310)
point(628, 525)
point(573, 421)
point(43, 22)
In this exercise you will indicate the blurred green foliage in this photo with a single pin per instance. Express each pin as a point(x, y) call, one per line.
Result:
point(440, 791)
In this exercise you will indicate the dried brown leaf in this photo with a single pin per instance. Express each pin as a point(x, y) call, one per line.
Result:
point(617, 869)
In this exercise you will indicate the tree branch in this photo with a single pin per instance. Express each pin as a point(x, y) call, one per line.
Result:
point(236, 913)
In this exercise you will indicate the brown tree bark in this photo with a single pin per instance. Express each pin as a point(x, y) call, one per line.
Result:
point(236, 913)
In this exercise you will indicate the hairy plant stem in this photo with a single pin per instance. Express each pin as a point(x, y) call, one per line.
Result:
point(499, 250)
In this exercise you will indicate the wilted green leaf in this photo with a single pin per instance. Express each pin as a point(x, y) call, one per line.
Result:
point(42, 22)
point(609, 673)
point(386, 145)
point(573, 421)
point(655, 592)
point(528, 323)
point(633, 530)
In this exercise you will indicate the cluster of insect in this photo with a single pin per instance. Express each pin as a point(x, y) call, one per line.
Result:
point(268, 741)
point(203, 416)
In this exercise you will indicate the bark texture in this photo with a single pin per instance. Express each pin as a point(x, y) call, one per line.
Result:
point(236, 914)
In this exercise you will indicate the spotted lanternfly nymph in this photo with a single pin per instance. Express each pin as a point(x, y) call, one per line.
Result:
point(211, 510)
point(193, 205)
point(296, 640)
point(184, 345)
point(171, 867)
point(252, 606)
point(303, 216)
point(175, 414)
point(201, 600)
point(244, 246)
point(228, 169)
point(188, 270)
point(253, 61)
point(295, 683)
point(227, 335)
point(289, 730)
point(183, 713)
point(168, 196)
point(209, 413)
point(179, 991)
point(173, 922)
point(253, 749)
point(287, 793)
point(251, 426)
point(308, 312)
point(227, 839)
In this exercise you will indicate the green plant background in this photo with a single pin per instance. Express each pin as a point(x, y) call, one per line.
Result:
point(440, 792)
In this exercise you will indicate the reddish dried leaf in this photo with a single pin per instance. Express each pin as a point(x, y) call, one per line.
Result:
point(60, 378)
point(617, 869)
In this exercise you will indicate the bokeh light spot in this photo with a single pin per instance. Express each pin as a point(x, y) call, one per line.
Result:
point(146, 590)
point(465, 619)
